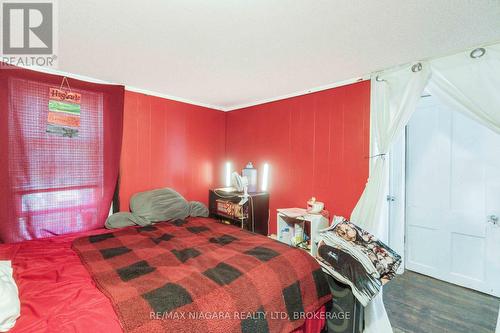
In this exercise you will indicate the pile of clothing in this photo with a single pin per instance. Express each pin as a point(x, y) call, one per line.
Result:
point(355, 257)
point(158, 205)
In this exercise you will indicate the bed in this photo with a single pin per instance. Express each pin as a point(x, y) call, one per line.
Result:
point(58, 293)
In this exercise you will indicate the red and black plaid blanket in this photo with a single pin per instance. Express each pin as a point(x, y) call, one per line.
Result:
point(198, 275)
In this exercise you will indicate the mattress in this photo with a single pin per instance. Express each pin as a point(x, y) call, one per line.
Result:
point(58, 295)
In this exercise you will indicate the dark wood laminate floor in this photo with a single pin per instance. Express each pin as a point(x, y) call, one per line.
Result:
point(417, 303)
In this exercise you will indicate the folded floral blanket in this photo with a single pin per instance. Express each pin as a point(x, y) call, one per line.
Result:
point(357, 258)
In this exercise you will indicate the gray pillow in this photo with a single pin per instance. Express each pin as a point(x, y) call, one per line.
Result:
point(159, 205)
point(197, 208)
point(124, 219)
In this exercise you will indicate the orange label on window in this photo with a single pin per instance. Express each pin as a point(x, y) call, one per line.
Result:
point(56, 118)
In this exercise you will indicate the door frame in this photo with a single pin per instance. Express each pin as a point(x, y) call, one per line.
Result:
point(396, 196)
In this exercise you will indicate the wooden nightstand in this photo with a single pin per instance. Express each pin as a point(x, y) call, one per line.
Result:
point(252, 215)
point(311, 224)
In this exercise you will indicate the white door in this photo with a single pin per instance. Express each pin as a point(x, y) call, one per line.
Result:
point(453, 198)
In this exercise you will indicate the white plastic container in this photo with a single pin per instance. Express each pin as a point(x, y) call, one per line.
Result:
point(285, 235)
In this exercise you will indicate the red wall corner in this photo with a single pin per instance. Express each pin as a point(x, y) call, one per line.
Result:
point(170, 144)
point(316, 145)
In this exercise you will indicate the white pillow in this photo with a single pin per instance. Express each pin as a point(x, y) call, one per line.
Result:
point(10, 306)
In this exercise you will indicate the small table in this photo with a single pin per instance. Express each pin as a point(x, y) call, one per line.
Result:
point(289, 217)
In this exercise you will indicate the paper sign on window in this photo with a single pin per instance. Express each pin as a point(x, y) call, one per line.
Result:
point(64, 113)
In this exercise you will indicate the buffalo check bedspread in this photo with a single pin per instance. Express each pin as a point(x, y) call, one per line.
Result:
point(198, 275)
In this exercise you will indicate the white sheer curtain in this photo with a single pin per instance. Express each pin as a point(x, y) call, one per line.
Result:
point(468, 85)
point(393, 101)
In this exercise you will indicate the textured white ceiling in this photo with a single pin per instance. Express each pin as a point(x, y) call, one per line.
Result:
point(227, 53)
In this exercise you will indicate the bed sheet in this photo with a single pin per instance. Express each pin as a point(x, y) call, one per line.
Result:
point(58, 295)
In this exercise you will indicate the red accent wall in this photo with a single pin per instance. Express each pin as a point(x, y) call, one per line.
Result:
point(170, 144)
point(316, 145)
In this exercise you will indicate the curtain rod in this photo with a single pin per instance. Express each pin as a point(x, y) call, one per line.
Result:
point(401, 66)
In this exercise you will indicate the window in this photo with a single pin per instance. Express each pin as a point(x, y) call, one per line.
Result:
point(57, 182)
